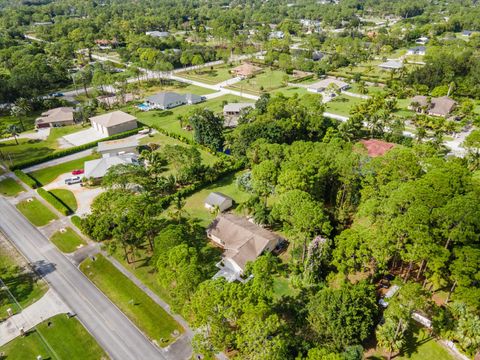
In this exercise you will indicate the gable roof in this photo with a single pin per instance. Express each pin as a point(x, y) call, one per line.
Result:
point(418, 49)
point(99, 167)
point(246, 69)
point(113, 118)
point(59, 114)
point(237, 107)
point(242, 240)
point(323, 84)
point(216, 199)
point(391, 64)
point(165, 98)
point(193, 98)
point(156, 33)
point(439, 106)
point(117, 144)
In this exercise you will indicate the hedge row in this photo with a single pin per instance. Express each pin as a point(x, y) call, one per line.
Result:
point(77, 221)
point(69, 151)
point(305, 78)
point(54, 201)
point(27, 179)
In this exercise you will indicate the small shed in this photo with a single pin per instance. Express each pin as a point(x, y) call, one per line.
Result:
point(216, 199)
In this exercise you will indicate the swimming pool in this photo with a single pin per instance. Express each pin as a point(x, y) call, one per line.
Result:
point(144, 107)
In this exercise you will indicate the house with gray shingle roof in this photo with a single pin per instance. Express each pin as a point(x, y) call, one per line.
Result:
point(218, 200)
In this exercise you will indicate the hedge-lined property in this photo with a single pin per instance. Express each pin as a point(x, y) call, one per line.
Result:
point(56, 203)
point(26, 179)
point(72, 150)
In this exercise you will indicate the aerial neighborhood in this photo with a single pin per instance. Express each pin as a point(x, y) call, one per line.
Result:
point(240, 180)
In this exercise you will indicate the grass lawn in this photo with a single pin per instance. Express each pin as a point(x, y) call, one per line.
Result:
point(195, 204)
point(291, 90)
point(161, 139)
point(269, 80)
point(31, 149)
point(168, 119)
point(66, 339)
point(219, 74)
point(178, 87)
point(420, 346)
point(67, 241)
point(37, 213)
point(20, 280)
point(138, 306)
point(342, 104)
point(47, 175)
point(10, 187)
point(282, 287)
point(67, 197)
point(28, 121)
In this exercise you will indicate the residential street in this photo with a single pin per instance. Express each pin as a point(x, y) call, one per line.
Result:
point(110, 327)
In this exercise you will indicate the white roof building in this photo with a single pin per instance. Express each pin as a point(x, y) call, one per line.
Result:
point(325, 83)
point(391, 65)
point(118, 147)
point(96, 169)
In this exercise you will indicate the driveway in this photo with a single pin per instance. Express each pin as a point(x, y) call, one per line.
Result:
point(41, 134)
point(83, 137)
point(83, 195)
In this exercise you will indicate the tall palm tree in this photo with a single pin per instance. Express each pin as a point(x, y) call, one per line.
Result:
point(13, 130)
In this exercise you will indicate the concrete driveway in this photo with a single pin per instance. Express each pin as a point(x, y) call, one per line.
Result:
point(83, 195)
point(83, 137)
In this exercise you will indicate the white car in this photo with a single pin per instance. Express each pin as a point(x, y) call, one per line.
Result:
point(73, 180)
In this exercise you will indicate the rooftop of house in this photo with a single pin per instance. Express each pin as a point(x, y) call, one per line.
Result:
point(98, 168)
point(376, 147)
point(391, 64)
point(439, 106)
point(323, 84)
point(246, 69)
point(237, 107)
point(113, 118)
point(117, 144)
point(56, 115)
point(156, 33)
point(216, 198)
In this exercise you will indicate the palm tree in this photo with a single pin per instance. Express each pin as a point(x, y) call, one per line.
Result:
point(13, 130)
point(20, 109)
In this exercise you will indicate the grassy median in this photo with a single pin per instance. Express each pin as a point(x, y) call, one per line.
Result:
point(37, 213)
point(56, 338)
point(157, 324)
point(10, 187)
point(67, 241)
point(67, 197)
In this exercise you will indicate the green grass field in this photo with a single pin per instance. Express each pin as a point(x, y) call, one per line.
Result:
point(21, 282)
point(139, 307)
point(195, 204)
point(168, 119)
point(178, 87)
point(10, 187)
point(63, 339)
point(28, 149)
point(37, 213)
point(67, 241)
point(342, 104)
point(268, 80)
point(67, 197)
point(47, 175)
point(28, 121)
point(219, 74)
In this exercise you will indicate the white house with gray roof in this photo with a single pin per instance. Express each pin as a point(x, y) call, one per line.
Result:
point(169, 100)
point(232, 111)
point(158, 34)
point(96, 169)
point(118, 147)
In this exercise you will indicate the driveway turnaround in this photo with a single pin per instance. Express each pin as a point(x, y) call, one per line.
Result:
point(114, 332)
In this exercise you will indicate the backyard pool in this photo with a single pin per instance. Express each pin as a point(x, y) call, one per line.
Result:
point(144, 106)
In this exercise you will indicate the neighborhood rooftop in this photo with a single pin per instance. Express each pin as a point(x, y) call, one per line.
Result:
point(117, 144)
point(113, 118)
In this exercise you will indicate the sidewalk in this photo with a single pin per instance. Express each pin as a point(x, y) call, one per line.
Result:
point(49, 305)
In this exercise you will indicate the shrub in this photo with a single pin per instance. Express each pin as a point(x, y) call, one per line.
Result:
point(54, 201)
point(77, 221)
point(27, 179)
point(69, 151)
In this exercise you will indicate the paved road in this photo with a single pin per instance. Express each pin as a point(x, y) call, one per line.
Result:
point(110, 327)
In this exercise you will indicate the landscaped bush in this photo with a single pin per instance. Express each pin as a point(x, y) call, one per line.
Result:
point(27, 179)
point(69, 151)
point(77, 221)
point(54, 201)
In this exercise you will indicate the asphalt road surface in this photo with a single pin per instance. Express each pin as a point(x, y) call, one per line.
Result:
point(111, 328)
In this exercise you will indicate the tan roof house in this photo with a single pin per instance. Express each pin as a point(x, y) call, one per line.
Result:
point(113, 123)
point(440, 106)
point(324, 84)
point(242, 241)
point(246, 70)
point(60, 116)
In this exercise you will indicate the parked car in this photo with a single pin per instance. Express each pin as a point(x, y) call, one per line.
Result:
point(77, 172)
point(73, 180)
point(56, 94)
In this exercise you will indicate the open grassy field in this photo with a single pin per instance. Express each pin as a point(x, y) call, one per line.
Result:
point(178, 87)
point(207, 75)
point(139, 307)
point(342, 104)
point(67, 241)
point(195, 204)
point(420, 346)
point(67, 197)
point(162, 140)
point(291, 90)
point(47, 175)
point(10, 187)
point(168, 119)
point(31, 149)
point(37, 213)
point(27, 121)
point(56, 338)
point(21, 282)
point(268, 80)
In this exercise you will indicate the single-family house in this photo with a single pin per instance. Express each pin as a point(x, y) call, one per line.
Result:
point(467, 33)
point(417, 50)
point(169, 100)
point(324, 84)
point(118, 147)
point(423, 40)
point(277, 35)
point(158, 34)
point(439, 106)
point(242, 242)
point(391, 65)
point(376, 147)
point(113, 123)
point(192, 99)
point(218, 200)
point(96, 169)
point(246, 70)
point(232, 111)
point(60, 116)
point(106, 44)
point(317, 55)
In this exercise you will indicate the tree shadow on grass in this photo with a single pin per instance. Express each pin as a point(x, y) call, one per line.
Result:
point(413, 340)
point(163, 113)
